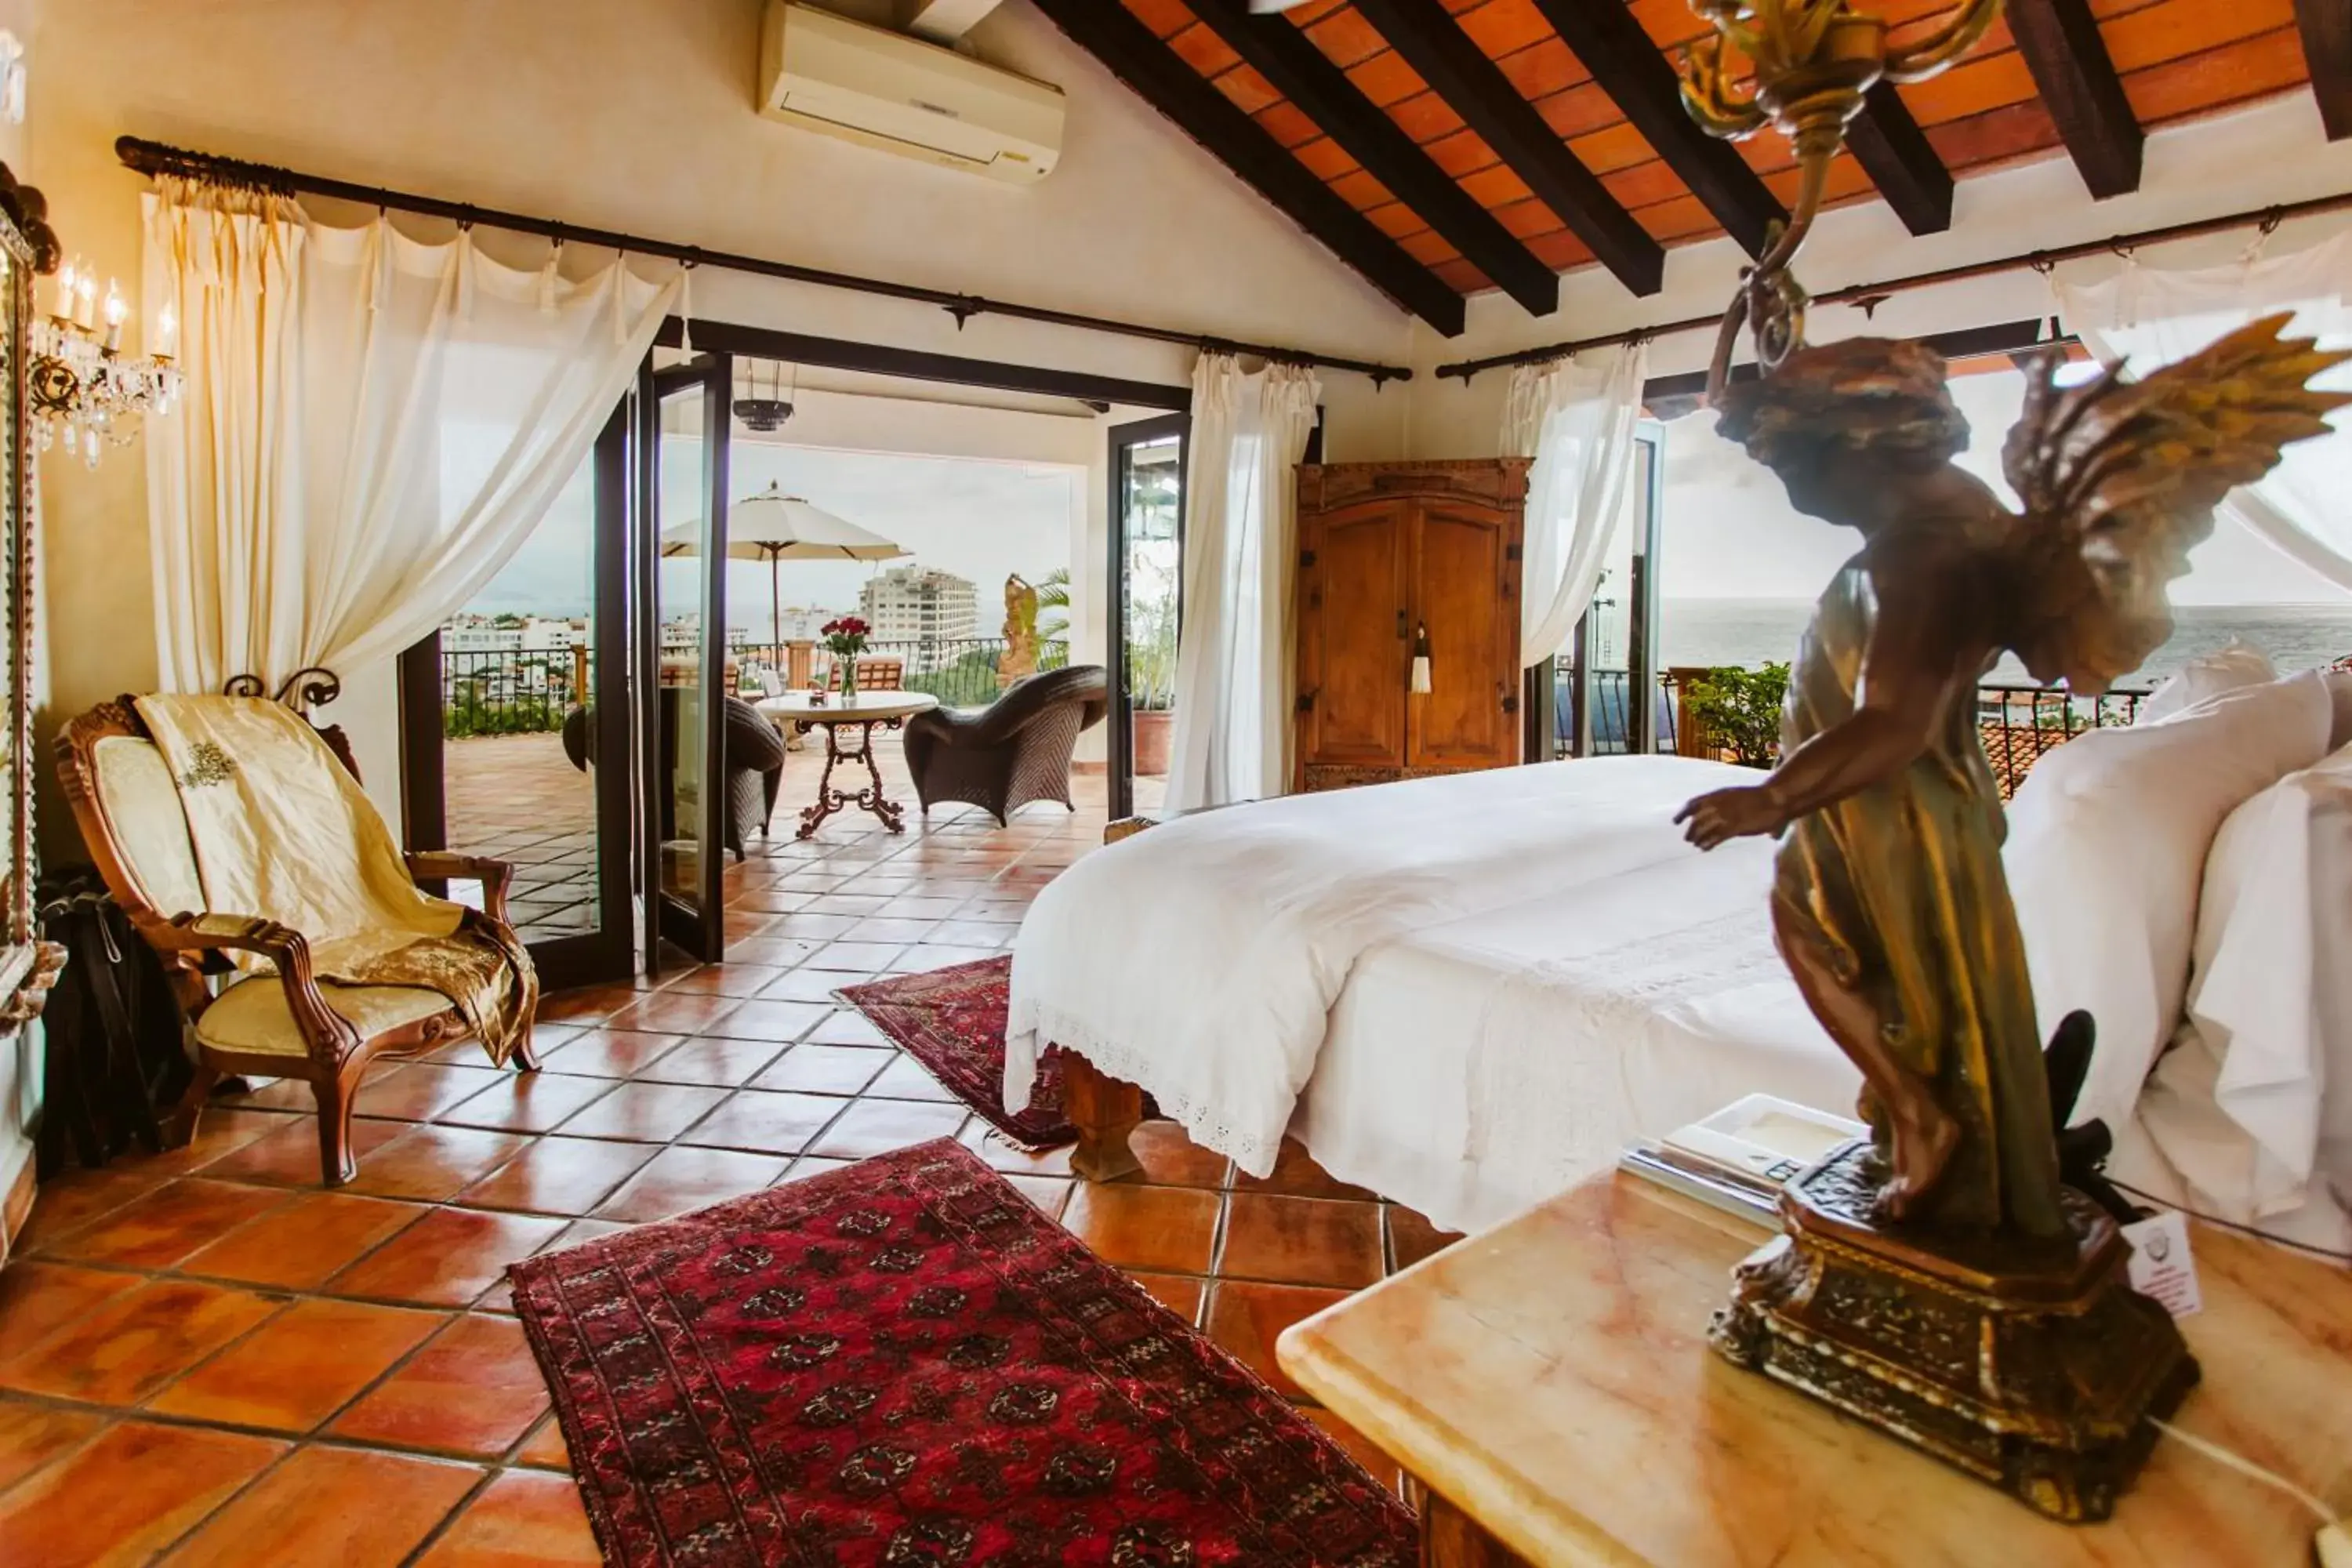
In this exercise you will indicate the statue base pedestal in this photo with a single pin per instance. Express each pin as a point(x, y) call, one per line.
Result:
point(2034, 1368)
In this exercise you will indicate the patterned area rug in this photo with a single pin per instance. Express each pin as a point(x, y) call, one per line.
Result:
point(952, 1021)
point(904, 1361)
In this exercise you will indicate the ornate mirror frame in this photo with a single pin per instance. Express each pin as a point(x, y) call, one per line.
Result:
point(28, 966)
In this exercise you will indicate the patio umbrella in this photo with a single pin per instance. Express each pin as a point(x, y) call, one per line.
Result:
point(773, 527)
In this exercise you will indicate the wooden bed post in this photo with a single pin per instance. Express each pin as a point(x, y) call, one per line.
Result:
point(1104, 1110)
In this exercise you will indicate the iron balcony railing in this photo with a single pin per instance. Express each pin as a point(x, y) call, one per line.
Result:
point(2019, 723)
point(509, 691)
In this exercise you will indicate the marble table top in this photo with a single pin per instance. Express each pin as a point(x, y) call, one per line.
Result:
point(1551, 1378)
point(835, 710)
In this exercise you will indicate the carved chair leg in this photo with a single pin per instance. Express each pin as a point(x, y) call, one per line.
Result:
point(1105, 1111)
point(180, 1128)
point(336, 1096)
point(526, 1054)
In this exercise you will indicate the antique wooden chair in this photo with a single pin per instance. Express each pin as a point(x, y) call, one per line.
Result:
point(287, 1025)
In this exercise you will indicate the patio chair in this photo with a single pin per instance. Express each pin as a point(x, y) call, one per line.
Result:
point(287, 1024)
point(1014, 750)
point(755, 763)
point(872, 675)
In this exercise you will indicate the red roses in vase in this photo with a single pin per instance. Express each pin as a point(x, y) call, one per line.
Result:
point(844, 638)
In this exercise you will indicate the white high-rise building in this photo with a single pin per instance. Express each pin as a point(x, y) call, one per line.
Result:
point(914, 603)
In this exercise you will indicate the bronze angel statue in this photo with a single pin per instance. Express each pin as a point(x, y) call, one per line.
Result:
point(1889, 902)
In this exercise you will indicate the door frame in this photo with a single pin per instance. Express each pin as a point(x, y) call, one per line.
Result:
point(1122, 717)
point(608, 953)
point(701, 932)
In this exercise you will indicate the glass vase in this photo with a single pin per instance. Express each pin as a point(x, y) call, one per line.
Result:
point(848, 664)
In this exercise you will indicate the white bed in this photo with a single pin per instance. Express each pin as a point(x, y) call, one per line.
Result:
point(1467, 993)
point(1463, 992)
point(1479, 1067)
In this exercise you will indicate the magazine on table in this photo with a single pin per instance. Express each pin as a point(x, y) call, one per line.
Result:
point(1738, 1159)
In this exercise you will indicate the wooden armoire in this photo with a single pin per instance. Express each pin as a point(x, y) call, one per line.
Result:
point(1390, 552)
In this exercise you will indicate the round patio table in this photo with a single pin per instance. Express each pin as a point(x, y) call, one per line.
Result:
point(802, 712)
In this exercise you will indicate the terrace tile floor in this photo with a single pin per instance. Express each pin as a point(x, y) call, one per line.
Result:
point(205, 1358)
point(517, 798)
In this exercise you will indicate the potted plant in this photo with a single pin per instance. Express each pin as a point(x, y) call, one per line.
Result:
point(1151, 673)
point(1738, 710)
point(844, 640)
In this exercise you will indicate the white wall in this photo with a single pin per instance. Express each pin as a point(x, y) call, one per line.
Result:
point(637, 115)
point(2273, 152)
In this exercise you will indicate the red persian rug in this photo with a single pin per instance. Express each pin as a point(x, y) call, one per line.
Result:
point(904, 1362)
point(952, 1021)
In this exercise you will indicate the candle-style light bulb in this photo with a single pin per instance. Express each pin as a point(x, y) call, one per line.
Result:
point(167, 334)
point(85, 300)
point(118, 310)
point(67, 277)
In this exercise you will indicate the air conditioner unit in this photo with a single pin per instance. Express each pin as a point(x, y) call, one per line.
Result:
point(886, 89)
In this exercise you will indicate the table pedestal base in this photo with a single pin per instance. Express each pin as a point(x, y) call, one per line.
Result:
point(829, 799)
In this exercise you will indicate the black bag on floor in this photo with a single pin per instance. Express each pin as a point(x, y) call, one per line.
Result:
point(115, 1058)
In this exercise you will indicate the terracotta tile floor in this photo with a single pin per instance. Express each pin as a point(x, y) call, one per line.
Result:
point(519, 799)
point(205, 1357)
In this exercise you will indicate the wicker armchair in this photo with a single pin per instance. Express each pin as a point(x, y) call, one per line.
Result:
point(1012, 751)
point(288, 1024)
point(755, 763)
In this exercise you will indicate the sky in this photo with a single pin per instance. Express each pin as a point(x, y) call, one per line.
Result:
point(1728, 532)
point(977, 519)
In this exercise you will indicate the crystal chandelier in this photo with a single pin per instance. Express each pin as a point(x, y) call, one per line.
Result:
point(85, 389)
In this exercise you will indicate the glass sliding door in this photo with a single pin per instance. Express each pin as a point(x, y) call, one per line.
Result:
point(1145, 601)
point(682, 480)
point(1606, 696)
point(502, 755)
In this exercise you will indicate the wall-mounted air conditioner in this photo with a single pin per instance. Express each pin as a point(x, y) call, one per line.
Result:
point(889, 90)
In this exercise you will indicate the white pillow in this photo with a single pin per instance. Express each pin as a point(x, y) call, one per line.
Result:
point(2106, 852)
point(2210, 675)
point(2262, 1064)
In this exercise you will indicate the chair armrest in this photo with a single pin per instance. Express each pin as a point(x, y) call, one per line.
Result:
point(328, 1033)
point(442, 865)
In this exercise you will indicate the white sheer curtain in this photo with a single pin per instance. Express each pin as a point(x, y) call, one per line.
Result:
point(2153, 315)
point(1231, 738)
point(1576, 417)
point(373, 426)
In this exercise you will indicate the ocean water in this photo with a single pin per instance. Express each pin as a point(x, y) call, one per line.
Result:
point(1752, 631)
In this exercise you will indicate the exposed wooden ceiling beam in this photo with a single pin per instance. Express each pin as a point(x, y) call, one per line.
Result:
point(1305, 75)
point(2327, 44)
point(1624, 60)
point(2077, 80)
point(1427, 37)
point(1109, 31)
point(1896, 155)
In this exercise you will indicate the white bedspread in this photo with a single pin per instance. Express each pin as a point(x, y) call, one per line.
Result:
point(1476, 1068)
point(1202, 959)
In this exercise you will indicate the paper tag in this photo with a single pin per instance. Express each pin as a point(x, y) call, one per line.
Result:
point(2160, 1265)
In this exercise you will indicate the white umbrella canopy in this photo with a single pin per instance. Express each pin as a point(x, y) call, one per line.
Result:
point(773, 526)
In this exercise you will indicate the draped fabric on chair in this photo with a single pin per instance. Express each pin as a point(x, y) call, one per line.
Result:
point(373, 426)
point(2153, 315)
point(1232, 739)
point(1576, 417)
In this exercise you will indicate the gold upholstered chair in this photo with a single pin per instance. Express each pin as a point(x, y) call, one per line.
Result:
point(283, 1024)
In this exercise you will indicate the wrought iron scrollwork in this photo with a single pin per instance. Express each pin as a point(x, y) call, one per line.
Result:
point(304, 689)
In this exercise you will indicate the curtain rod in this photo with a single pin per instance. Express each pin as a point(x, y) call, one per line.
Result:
point(154, 157)
point(1870, 295)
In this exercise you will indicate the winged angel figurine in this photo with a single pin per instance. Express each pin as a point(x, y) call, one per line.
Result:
point(1889, 903)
